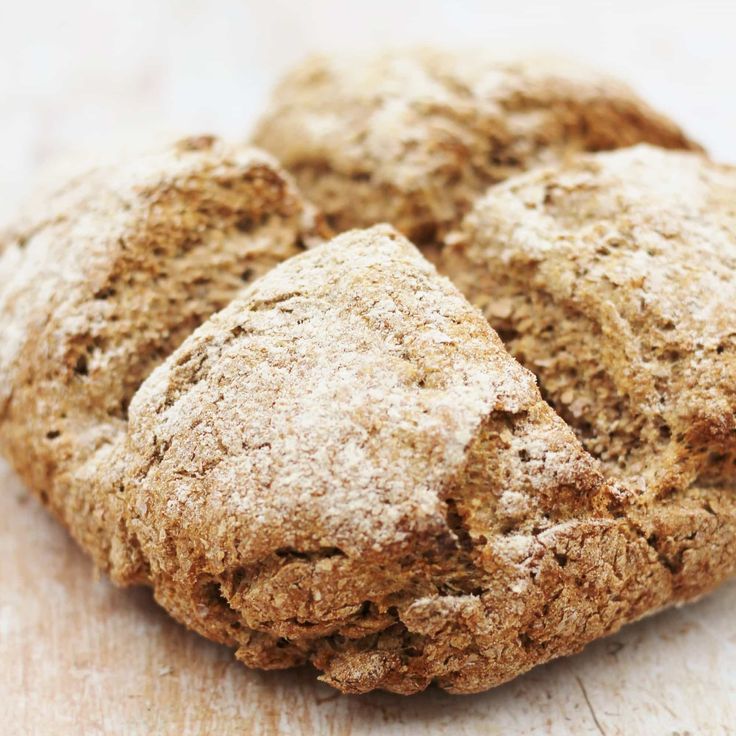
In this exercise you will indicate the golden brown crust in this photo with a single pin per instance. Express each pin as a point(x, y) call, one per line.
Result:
point(412, 137)
point(345, 467)
point(99, 287)
point(612, 279)
point(325, 465)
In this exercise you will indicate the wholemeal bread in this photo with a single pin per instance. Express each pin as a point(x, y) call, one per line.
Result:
point(611, 278)
point(345, 466)
point(412, 137)
point(99, 287)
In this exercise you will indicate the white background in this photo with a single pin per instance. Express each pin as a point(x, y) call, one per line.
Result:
point(89, 79)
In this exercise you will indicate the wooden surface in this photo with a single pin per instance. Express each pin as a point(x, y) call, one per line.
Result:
point(86, 80)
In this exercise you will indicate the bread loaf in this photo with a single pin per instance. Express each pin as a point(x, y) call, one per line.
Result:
point(327, 454)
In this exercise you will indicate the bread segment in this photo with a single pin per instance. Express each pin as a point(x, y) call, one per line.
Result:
point(346, 467)
point(611, 277)
point(97, 288)
point(413, 137)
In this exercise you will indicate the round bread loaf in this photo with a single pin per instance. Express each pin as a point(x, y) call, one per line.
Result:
point(344, 465)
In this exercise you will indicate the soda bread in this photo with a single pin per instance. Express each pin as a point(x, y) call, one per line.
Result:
point(322, 452)
point(412, 137)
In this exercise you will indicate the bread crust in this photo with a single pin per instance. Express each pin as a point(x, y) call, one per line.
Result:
point(98, 287)
point(413, 137)
point(611, 277)
point(300, 469)
point(344, 466)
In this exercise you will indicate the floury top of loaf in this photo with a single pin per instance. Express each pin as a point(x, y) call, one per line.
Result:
point(345, 466)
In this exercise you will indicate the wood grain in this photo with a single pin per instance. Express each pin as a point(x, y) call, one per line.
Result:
point(80, 656)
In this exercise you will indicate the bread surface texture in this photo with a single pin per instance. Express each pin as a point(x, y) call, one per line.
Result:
point(99, 285)
point(344, 466)
point(413, 137)
point(323, 452)
point(611, 277)
point(304, 454)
